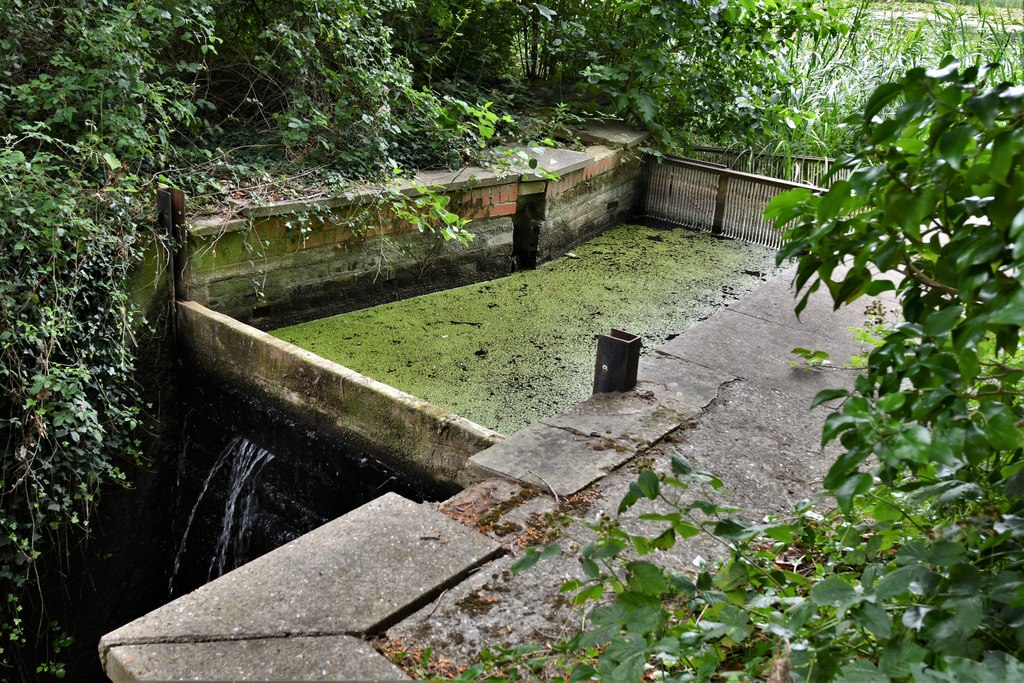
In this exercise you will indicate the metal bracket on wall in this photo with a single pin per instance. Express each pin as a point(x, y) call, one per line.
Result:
point(618, 357)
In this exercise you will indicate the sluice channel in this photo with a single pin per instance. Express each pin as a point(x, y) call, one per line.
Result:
point(285, 432)
point(511, 351)
point(503, 353)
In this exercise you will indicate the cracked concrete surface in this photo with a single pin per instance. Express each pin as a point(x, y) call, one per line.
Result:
point(731, 403)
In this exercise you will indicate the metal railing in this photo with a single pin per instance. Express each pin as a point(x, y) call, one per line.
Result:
point(794, 168)
point(713, 199)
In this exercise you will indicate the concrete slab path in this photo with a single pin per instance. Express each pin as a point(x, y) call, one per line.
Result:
point(354, 576)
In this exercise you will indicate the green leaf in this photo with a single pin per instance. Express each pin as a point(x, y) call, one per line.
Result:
point(648, 484)
point(850, 488)
point(1001, 427)
point(898, 582)
point(835, 200)
point(623, 660)
point(113, 163)
point(533, 555)
point(966, 612)
point(882, 96)
point(731, 528)
point(647, 578)
point(897, 658)
point(941, 322)
point(592, 593)
point(953, 144)
point(827, 395)
point(859, 671)
point(680, 466)
point(1010, 312)
point(874, 618)
point(833, 592)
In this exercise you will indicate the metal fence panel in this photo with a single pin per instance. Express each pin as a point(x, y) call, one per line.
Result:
point(713, 198)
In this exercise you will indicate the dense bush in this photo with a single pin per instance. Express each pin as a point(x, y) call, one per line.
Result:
point(919, 573)
point(98, 101)
point(681, 69)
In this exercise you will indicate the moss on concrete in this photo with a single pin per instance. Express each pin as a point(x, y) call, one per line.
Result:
point(511, 351)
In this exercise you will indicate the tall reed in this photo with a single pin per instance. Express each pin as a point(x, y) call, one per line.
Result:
point(824, 78)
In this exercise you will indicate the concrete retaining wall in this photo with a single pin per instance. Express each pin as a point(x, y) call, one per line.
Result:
point(589, 201)
point(415, 436)
point(289, 262)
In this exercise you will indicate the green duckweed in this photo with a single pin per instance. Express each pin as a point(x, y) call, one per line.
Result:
point(509, 352)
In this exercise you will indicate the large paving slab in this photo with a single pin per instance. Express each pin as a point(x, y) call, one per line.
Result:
point(567, 452)
point(759, 350)
point(611, 133)
point(550, 457)
point(328, 658)
point(354, 575)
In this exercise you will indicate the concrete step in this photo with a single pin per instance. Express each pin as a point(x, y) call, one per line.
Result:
point(354, 576)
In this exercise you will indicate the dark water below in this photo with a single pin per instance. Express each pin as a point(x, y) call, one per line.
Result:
point(242, 480)
point(249, 480)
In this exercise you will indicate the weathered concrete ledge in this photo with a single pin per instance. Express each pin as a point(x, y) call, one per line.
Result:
point(298, 612)
point(418, 437)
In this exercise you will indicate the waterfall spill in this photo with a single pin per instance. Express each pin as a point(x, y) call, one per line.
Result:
point(246, 460)
point(250, 479)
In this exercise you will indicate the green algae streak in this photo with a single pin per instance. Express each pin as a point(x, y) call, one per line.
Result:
point(509, 352)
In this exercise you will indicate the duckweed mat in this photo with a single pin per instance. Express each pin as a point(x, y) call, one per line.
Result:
point(511, 351)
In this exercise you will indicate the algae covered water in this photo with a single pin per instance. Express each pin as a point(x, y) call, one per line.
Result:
point(511, 351)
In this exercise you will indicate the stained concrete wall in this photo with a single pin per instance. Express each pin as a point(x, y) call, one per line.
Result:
point(586, 202)
point(290, 262)
point(413, 435)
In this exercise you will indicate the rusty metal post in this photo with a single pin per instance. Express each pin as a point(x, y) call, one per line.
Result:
point(720, 199)
point(171, 205)
point(618, 356)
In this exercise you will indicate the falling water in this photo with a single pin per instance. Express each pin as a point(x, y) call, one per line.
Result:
point(246, 460)
point(249, 460)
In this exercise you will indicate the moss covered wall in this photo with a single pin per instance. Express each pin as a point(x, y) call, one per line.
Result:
point(409, 434)
point(290, 262)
